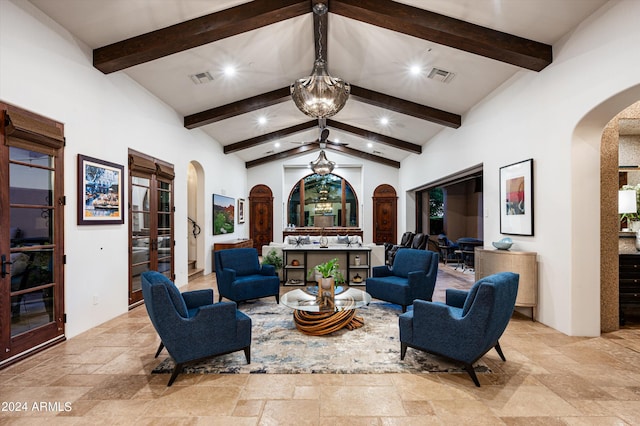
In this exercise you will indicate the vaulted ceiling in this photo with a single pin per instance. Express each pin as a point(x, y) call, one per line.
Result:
point(421, 65)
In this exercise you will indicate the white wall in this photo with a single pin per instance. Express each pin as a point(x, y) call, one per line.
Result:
point(363, 175)
point(45, 70)
point(534, 115)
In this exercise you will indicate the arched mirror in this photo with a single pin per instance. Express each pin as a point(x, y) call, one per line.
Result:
point(323, 201)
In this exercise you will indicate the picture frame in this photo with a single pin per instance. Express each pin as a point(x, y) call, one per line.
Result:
point(223, 214)
point(100, 192)
point(240, 210)
point(516, 198)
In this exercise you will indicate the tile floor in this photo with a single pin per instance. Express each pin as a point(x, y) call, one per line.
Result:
point(103, 377)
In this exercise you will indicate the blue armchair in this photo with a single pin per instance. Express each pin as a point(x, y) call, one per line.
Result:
point(240, 276)
point(190, 325)
point(467, 326)
point(412, 276)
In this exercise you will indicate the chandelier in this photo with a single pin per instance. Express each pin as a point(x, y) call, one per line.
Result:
point(321, 165)
point(320, 95)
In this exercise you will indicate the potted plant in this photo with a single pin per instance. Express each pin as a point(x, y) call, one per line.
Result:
point(275, 259)
point(326, 287)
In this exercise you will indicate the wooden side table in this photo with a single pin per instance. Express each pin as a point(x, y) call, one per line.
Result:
point(488, 262)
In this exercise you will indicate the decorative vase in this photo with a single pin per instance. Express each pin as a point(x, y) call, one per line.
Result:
point(326, 294)
point(356, 261)
point(324, 242)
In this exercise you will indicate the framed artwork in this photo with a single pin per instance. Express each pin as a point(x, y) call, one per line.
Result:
point(240, 210)
point(100, 193)
point(516, 198)
point(223, 214)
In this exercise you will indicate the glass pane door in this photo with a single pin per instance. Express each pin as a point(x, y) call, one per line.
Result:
point(31, 294)
point(165, 229)
point(141, 238)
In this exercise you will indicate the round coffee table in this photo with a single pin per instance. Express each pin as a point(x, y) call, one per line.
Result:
point(311, 319)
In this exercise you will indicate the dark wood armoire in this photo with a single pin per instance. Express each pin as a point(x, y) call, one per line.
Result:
point(385, 214)
point(261, 216)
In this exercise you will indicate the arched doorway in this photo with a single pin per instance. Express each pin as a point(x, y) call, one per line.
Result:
point(195, 220)
point(609, 218)
point(591, 133)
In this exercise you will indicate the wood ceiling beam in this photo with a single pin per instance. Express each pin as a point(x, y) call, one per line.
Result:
point(196, 32)
point(360, 94)
point(237, 108)
point(447, 31)
point(294, 152)
point(376, 137)
point(365, 155)
point(402, 106)
point(269, 137)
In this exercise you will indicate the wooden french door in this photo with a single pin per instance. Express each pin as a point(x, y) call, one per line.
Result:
point(261, 216)
point(151, 219)
point(31, 233)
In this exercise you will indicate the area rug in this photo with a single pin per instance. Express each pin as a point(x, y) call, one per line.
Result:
point(279, 348)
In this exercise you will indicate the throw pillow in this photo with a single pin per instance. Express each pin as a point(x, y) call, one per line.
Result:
point(343, 240)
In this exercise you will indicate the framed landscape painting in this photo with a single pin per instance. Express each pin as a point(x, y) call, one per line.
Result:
point(100, 198)
point(223, 214)
point(516, 198)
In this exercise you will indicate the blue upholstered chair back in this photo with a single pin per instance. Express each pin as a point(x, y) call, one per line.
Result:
point(495, 294)
point(408, 260)
point(243, 260)
point(153, 277)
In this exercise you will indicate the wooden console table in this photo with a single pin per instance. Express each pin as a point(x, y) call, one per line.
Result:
point(223, 245)
point(488, 262)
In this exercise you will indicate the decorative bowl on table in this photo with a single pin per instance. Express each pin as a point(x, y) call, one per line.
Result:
point(503, 244)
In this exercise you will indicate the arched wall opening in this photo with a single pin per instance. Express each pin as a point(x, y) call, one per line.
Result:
point(196, 213)
point(595, 230)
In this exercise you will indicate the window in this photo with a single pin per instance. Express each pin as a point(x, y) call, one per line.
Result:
point(323, 201)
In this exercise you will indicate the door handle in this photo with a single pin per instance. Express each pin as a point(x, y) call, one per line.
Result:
point(3, 270)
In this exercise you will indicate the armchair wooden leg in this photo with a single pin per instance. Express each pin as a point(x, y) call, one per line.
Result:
point(404, 308)
point(403, 350)
point(472, 373)
point(499, 350)
point(219, 298)
point(247, 354)
point(277, 298)
point(159, 349)
point(176, 370)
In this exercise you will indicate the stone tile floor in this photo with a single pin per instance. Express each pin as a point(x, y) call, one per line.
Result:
point(103, 377)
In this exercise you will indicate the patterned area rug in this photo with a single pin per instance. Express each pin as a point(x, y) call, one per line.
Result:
point(279, 348)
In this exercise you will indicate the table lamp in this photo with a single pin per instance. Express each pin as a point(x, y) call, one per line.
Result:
point(627, 203)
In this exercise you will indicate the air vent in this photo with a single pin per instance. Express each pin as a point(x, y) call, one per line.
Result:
point(441, 75)
point(201, 78)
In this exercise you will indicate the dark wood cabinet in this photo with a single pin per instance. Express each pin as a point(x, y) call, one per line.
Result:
point(261, 216)
point(629, 282)
point(231, 244)
point(385, 207)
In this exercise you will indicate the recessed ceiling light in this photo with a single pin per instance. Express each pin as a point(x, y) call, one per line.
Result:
point(369, 145)
point(262, 120)
point(415, 70)
point(384, 121)
point(277, 144)
point(229, 70)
